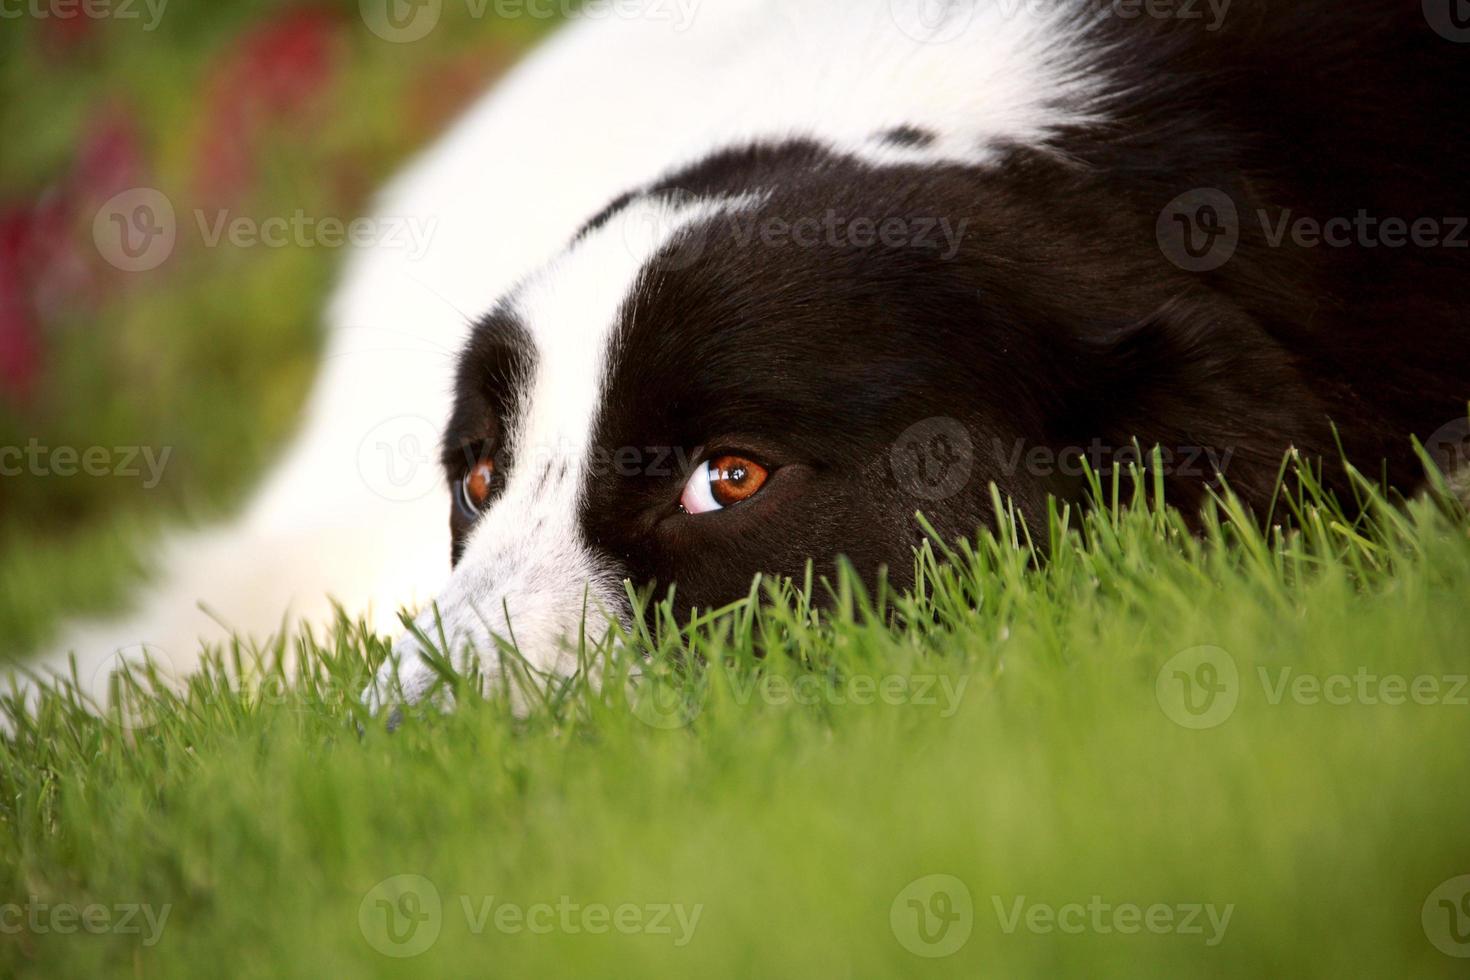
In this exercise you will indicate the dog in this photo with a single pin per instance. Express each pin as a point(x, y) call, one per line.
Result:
point(711, 299)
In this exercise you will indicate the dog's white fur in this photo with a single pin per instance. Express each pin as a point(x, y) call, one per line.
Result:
point(604, 106)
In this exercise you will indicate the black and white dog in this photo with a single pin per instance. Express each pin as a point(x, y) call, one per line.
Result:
point(716, 297)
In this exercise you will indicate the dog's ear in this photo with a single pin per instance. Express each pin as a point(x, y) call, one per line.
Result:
point(1204, 382)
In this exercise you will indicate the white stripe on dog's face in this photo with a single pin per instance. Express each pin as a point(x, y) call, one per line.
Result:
point(526, 555)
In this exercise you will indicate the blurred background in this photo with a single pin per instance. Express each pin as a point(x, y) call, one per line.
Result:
point(145, 385)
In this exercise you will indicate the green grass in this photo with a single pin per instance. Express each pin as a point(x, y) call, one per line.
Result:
point(1022, 740)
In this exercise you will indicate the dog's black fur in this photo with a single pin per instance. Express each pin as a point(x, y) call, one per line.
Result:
point(1062, 321)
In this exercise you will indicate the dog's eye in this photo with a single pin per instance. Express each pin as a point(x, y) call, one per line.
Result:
point(474, 489)
point(721, 482)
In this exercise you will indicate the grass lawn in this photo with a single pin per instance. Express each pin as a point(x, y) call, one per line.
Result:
point(1150, 753)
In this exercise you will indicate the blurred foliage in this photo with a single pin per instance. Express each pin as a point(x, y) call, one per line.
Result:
point(257, 109)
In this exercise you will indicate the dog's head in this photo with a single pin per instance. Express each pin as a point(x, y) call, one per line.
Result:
point(783, 354)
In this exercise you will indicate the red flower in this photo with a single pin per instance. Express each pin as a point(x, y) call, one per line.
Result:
point(274, 73)
point(63, 34)
point(109, 159)
point(20, 342)
point(46, 262)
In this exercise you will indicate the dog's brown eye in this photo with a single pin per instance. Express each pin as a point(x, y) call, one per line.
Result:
point(733, 479)
point(720, 482)
point(475, 488)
